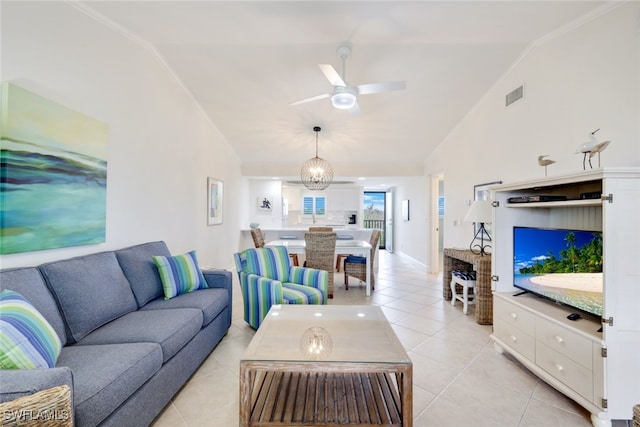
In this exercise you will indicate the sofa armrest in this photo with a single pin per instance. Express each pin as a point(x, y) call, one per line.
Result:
point(218, 278)
point(16, 383)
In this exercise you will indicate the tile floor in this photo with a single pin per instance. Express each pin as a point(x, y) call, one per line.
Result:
point(459, 379)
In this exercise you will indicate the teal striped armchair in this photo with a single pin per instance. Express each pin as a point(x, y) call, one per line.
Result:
point(267, 278)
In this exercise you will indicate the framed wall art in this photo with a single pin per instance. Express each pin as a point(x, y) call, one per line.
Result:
point(53, 174)
point(265, 203)
point(214, 201)
point(405, 210)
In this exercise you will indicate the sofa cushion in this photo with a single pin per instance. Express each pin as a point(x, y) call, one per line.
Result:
point(139, 268)
point(29, 283)
point(210, 301)
point(91, 290)
point(171, 328)
point(27, 340)
point(180, 274)
point(104, 376)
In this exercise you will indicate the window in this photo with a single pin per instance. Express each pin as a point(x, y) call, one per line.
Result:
point(313, 205)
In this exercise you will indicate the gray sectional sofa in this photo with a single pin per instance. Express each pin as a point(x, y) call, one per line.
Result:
point(126, 351)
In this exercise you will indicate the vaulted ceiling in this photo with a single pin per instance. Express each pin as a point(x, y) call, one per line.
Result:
point(245, 62)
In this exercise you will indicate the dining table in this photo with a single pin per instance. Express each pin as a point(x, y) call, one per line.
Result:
point(351, 247)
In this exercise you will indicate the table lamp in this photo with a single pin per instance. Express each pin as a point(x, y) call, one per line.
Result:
point(480, 212)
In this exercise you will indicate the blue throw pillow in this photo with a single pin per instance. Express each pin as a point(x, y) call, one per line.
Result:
point(353, 259)
point(27, 340)
point(180, 274)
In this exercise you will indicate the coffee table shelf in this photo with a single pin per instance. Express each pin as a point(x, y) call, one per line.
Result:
point(327, 399)
point(328, 365)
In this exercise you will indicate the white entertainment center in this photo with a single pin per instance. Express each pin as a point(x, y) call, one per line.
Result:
point(595, 362)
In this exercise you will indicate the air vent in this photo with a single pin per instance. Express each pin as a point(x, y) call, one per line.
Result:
point(514, 95)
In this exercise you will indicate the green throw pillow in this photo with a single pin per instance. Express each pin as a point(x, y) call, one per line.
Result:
point(27, 340)
point(179, 274)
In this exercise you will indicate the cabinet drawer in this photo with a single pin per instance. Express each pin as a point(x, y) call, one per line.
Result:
point(520, 341)
point(561, 339)
point(514, 315)
point(565, 370)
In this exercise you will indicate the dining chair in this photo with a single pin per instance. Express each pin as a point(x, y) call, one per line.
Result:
point(320, 248)
point(356, 266)
point(320, 229)
point(258, 241)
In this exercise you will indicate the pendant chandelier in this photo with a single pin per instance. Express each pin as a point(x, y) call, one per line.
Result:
point(316, 173)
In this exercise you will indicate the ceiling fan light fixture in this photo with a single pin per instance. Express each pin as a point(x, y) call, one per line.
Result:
point(343, 100)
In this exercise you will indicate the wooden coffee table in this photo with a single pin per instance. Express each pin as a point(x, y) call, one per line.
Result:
point(325, 365)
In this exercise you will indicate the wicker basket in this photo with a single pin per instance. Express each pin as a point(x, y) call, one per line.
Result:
point(47, 408)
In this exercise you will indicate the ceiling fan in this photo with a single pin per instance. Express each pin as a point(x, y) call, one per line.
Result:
point(344, 96)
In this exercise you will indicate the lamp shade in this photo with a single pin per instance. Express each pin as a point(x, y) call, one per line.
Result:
point(480, 211)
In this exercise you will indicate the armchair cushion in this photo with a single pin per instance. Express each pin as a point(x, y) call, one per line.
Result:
point(294, 293)
point(272, 262)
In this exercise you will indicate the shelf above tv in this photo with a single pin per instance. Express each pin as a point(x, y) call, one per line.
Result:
point(557, 204)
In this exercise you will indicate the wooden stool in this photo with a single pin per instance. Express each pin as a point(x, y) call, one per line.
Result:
point(466, 284)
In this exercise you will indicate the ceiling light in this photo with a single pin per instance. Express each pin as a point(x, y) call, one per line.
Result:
point(343, 98)
point(316, 173)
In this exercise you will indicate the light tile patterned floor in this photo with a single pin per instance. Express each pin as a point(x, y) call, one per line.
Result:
point(459, 379)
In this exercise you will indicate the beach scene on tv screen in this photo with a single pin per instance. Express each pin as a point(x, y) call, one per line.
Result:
point(564, 265)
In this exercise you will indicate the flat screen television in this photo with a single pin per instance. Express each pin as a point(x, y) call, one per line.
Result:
point(562, 265)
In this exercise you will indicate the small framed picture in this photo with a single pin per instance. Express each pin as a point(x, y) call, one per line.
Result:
point(214, 201)
point(405, 210)
point(265, 203)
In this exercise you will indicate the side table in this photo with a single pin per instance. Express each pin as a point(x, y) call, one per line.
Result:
point(458, 259)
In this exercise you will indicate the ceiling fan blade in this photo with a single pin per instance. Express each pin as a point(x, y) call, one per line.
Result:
point(380, 87)
point(332, 75)
point(313, 98)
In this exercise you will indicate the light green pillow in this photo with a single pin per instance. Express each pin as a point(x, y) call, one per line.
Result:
point(27, 340)
point(180, 274)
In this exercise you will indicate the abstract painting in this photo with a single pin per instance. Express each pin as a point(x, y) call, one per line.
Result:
point(53, 174)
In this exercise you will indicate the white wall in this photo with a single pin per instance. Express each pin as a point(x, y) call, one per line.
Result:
point(260, 189)
point(576, 81)
point(161, 149)
point(408, 235)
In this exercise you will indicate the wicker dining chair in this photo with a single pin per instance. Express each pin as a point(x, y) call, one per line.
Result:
point(258, 241)
point(320, 248)
point(258, 237)
point(356, 266)
point(320, 229)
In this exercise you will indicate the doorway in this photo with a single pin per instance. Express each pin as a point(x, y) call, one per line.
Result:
point(375, 208)
point(437, 223)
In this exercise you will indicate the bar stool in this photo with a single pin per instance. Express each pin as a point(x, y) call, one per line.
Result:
point(466, 280)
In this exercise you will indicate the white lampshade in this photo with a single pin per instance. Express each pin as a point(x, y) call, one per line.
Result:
point(480, 211)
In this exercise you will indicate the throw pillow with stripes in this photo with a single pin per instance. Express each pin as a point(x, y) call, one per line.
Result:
point(27, 340)
point(180, 274)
